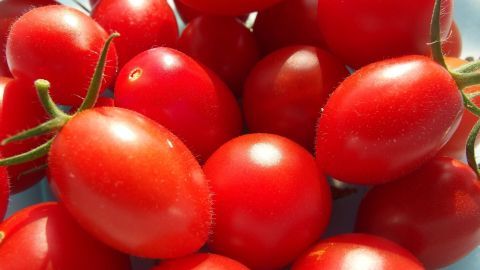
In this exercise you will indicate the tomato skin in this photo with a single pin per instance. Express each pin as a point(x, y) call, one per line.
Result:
point(434, 212)
point(270, 200)
point(201, 261)
point(160, 200)
point(45, 237)
point(407, 107)
point(78, 39)
point(200, 102)
point(211, 41)
point(286, 90)
point(452, 46)
point(230, 8)
point(363, 31)
point(357, 251)
point(132, 19)
point(4, 192)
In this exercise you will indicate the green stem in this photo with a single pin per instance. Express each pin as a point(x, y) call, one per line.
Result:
point(472, 95)
point(465, 80)
point(469, 105)
point(33, 154)
point(43, 87)
point(469, 67)
point(471, 148)
point(436, 43)
point(94, 88)
point(82, 6)
point(44, 128)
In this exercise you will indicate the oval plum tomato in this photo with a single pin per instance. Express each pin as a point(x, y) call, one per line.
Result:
point(44, 236)
point(363, 31)
point(271, 201)
point(387, 119)
point(211, 41)
point(22, 110)
point(131, 183)
point(357, 251)
point(4, 192)
point(201, 261)
point(172, 89)
point(434, 212)
point(290, 22)
point(132, 19)
point(452, 46)
point(285, 92)
point(59, 36)
point(232, 7)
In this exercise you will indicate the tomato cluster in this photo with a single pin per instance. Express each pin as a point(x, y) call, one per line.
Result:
point(219, 146)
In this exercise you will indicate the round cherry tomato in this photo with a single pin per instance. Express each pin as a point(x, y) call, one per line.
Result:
point(172, 89)
point(131, 183)
point(133, 19)
point(364, 31)
point(433, 212)
point(270, 199)
point(452, 46)
point(201, 261)
point(290, 22)
point(387, 119)
point(44, 236)
point(232, 7)
point(62, 47)
point(211, 41)
point(4, 192)
point(357, 251)
point(285, 92)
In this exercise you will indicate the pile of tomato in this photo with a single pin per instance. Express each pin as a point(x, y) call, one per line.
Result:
point(224, 146)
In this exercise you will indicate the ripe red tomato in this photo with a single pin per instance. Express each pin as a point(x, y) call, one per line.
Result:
point(4, 192)
point(452, 46)
point(133, 19)
point(201, 261)
point(434, 212)
point(232, 7)
point(187, 13)
point(364, 31)
point(387, 119)
point(357, 251)
point(172, 89)
point(58, 36)
point(44, 236)
point(131, 183)
point(271, 201)
point(285, 92)
point(211, 41)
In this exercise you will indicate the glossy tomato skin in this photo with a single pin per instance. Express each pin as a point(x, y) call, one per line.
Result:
point(211, 41)
point(270, 200)
point(4, 192)
point(131, 183)
point(201, 261)
point(286, 90)
point(174, 90)
point(78, 39)
point(363, 31)
point(387, 119)
point(434, 212)
point(357, 251)
point(230, 8)
point(132, 19)
point(452, 46)
point(45, 237)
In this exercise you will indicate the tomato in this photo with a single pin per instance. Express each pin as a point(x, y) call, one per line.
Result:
point(452, 46)
point(58, 36)
point(290, 22)
point(387, 119)
point(201, 261)
point(131, 183)
point(434, 212)
point(187, 13)
point(211, 41)
point(132, 19)
point(357, 251)
point(233, 7)
point(285, 92)
point(364, 31)
point(44, 236)
point(172, 89)
point(271, 201)
point(4, 192)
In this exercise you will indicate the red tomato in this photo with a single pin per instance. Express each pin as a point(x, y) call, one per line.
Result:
point(133, 19)
point(131, 183)
point(211, 41)
point(387, 119)
point(290, 22)
point(4, 192)
point(364, 31)
point(45, 237)
point(232, 7)
point(434, 212)
point(452, 46)
point(172, 89)
point(271, 201)
point(77, 39)
point(357, 251)
point(201, 261)
point(285, 92)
